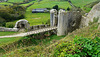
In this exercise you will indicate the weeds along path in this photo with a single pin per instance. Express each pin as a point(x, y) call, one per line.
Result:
point(30, 33)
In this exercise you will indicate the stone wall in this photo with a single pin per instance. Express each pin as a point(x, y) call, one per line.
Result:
point(22, 24)
point(68, 21)
point(62, 23)
point(74, 19)
point(8, 29)
point(53, 17)
point(39, 27)
point(94, 13)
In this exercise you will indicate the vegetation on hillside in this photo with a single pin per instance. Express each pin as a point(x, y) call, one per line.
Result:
point(79, 47)
point(11, 13)
point(84, 42)
point(80, 42)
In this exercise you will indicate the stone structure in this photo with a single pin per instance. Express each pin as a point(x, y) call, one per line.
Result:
point(62, 23)
point(22, 24)
point(53, 17)
point(8, 29)
point(74, 19)
point(68, 21)
point(39, 31)
point(38, 27)
point(94, 13)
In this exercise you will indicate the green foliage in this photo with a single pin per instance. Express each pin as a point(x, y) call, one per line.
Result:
point(68, 9)
point(2, 22)
point(55, 7)
point(11, 13)
point(88, 7)
point(89, 47)
point(79, 47)
point(10, 25)
point(26, 42)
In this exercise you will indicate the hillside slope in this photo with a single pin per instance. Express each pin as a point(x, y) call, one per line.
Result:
point(91, 31)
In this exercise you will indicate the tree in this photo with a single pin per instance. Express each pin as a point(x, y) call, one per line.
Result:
point(68, 9)
point(11, 13)
point(55, 7)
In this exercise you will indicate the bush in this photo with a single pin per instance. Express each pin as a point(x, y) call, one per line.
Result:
point(11, 13)
point(55, 7)
point(68, 9)
point(10, 24)
point(79, 47)
point(2, 22)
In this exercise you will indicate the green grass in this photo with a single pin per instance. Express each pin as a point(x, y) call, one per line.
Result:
point(45, 41)
point(7, 33)
point(50, 4)
point(6, 41)
point(81, 3)
point(5, 3)
point(28, 3)
point(42, 50)
point(15, 1)
point(39, 18)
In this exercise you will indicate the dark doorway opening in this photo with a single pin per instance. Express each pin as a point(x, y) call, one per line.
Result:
point(22, 25)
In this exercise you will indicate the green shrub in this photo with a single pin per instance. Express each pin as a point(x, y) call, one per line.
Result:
point(55, 7)
point(11, 13)
point(79, 47)
point(10, 24)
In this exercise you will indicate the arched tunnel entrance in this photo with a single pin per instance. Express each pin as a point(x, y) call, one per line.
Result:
point(22, 24)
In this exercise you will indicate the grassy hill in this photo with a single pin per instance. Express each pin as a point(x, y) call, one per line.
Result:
point(19, 46)
point(15, 1)
point(5, 3)
point(48, 50)
point(38, 18)
point(81, 3)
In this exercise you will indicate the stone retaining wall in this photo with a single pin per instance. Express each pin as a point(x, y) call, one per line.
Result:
point(39, 27)
point(8, 29)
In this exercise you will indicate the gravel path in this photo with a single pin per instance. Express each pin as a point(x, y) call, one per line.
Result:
point(29, 33)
